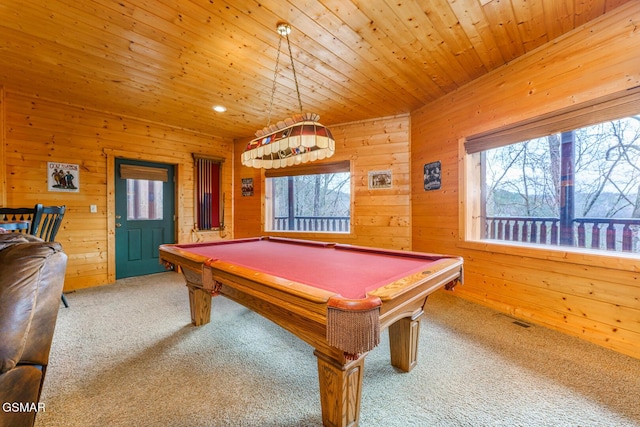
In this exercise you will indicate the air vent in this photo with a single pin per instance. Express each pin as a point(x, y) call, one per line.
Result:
point(524, 325)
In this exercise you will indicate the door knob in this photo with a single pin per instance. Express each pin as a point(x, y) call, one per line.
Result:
point(118, 216)
point(118, 225)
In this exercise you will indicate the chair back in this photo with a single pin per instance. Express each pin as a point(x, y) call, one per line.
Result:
point(22, 214)
point(47, 222)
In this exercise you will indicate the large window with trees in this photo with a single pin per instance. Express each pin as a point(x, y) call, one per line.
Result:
point(569, 179)
point(309, 198)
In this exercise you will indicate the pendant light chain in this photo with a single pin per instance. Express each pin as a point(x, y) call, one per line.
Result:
point(273, 89)
point(295, 77)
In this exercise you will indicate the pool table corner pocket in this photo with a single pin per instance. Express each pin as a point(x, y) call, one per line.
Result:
point(353, 325)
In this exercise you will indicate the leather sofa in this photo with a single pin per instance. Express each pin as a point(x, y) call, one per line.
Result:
point(31, 281)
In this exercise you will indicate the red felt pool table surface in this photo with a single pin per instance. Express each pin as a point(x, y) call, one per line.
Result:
point(349, 271)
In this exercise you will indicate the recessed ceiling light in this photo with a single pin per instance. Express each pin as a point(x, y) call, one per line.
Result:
point(219, 108)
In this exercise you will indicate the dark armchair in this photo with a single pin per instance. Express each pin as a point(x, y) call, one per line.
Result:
point(45, 223)
point(22, 214)
point(31, 279)
point(47, 220)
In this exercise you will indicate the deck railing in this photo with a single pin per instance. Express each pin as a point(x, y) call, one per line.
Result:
point(613, 234)
point(338, 224)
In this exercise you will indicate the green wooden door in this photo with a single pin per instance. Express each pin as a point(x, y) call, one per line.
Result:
point(144, 215)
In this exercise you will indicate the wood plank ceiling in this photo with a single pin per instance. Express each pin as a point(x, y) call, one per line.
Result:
point(170, 61)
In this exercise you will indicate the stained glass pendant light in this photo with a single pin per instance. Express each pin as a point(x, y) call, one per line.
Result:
point(295, 140)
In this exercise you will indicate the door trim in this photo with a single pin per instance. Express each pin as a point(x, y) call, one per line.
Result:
point(111, 155)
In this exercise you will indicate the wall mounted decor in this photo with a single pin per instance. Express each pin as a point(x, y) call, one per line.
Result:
point(379, 179)
point(432, 176)
point(63, 177)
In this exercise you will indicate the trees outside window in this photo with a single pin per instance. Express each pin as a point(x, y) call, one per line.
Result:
point(318, 202)
point(590, 175)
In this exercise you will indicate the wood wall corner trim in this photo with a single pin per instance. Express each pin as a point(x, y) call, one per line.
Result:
point(3, 162)
point(111, 209)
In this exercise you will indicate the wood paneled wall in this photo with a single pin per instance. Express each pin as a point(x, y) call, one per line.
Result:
point(379, 217)
point(589, 296)
point(37, 131)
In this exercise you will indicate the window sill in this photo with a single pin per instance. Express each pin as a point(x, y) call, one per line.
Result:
point(614, 260)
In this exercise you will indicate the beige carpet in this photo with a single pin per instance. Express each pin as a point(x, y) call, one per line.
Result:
point(127, 355)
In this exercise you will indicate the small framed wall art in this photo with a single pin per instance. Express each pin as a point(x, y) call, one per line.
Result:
point(63, 177)
point(247, 187)
point(432, 176)
point(379, 179)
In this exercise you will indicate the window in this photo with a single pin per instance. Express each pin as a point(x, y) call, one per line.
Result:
point(144, 199)
point(313, 198)
point(209, 206)
point(568, 179)
point(144, 191)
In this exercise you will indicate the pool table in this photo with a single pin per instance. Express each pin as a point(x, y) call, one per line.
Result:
point(335, 297)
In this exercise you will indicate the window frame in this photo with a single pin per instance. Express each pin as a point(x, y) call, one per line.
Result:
point(470, 168)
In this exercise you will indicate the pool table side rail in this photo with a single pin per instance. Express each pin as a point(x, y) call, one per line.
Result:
point(394, 252)
point(256, 239)
point(173, 257)
point(414, 298)
point(450, 268)
point(217, 242)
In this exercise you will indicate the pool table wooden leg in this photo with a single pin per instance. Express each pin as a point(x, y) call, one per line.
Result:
point(200, 305)
point(340, 390)
point(403, 342)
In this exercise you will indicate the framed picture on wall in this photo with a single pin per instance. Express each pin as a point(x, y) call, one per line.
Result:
point(63, 177)
point(247, 186)
point(432, 176)
point(379, 179)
